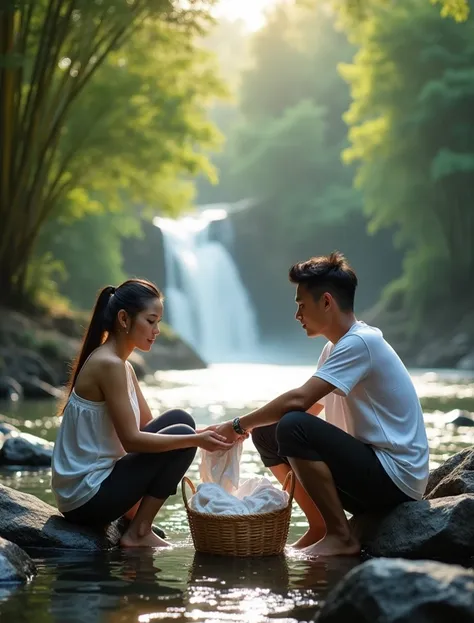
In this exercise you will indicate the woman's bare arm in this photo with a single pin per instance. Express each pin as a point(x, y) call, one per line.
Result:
point(146, 415)
point(113, 383)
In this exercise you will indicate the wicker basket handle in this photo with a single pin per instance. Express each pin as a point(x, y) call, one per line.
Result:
point(291, 481)
point(185, 482)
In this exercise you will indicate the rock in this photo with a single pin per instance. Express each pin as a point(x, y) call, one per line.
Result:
point(454, 477)
point(442, 352)
point(139, 365)
point(10, 389)
point(29, 522)
point(401, 591)
point(33, 387)
point(172, 354)
point(25, 449)
point(6, 428)
point(466, 362)
point(438, 529)
point(15, 564)
point(458, 417)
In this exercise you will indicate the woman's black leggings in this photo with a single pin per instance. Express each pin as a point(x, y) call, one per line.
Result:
point(361, 481)
point(138, 474)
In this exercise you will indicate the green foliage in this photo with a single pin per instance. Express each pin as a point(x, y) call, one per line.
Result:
point(140, 124)
point(287, 149)
point(352, 12)
point(412, 136)
point(87, 254)
point(103, 104)
point(229, 42)
point(458, 9)
point(290, 162)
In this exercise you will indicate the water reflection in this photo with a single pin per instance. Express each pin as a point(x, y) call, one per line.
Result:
point(146, 586)
point(180, 585)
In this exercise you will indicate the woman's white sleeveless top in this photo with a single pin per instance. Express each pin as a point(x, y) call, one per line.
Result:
point(86, 449)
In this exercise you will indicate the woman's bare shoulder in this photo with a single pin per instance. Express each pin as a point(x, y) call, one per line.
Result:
point(102, 368)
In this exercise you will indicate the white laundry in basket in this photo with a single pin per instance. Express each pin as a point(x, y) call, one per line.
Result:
point(220, 493)
point(256, 495)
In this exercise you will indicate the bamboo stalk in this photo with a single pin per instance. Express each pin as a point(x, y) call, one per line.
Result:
point(7, 24)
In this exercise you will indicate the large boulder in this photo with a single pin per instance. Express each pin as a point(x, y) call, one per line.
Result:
point(24, 449)
point(29, 522)
point(401, 591)
point(438, 529)
point(454, 477)
point(15, 564)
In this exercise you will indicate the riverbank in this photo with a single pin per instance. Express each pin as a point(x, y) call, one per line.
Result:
point(444, 341)
point(36, 353)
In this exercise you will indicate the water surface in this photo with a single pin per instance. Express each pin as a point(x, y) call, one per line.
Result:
point(179, 584)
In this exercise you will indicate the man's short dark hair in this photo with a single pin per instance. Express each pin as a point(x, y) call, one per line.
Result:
point(327, 273)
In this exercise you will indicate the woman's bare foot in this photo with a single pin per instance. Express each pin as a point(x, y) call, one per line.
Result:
point(150, 539)
point(332, 545)
point(310, 537)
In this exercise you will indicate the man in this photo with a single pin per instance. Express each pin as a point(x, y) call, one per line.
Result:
point(372, 450)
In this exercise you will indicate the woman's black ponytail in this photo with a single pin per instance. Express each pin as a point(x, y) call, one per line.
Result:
point(93, 337)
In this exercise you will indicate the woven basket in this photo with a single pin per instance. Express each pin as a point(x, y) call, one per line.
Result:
point(261, 534)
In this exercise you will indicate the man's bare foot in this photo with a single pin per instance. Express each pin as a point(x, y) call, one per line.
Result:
point(310, 537)
point(332, 545)
point(150, 539)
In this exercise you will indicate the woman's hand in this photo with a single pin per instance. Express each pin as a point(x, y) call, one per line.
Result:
point(203, 429)
point(211, 441)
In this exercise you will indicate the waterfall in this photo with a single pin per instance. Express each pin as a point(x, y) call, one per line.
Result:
point(206, 301)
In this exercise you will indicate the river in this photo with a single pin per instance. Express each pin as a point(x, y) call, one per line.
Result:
point(178, 584)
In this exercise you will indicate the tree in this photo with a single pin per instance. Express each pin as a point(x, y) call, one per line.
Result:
point(228, 41)
point(83, 111)
point(411, 134)
point(288, 146)
point(79, 258)
point(355, 10)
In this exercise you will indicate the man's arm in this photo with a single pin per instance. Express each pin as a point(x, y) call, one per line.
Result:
point(300, 399)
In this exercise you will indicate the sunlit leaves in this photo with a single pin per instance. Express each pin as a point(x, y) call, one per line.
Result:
point(411, 134)
point(102, 103)
point(458, 9)
point(288, 146)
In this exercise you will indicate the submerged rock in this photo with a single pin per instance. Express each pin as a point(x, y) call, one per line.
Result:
point(438, 529)
point(27, 450)
point(401, 591)
point(15, 564)
point(29, 522)
point(5, 428)
point(454, 477)
point(459, 417)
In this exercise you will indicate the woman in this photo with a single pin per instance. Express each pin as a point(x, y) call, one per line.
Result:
point(110, 455)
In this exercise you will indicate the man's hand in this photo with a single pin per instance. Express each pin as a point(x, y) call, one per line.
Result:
point(227, 430)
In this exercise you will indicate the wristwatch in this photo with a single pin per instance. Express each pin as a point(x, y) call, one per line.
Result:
point(237, 427)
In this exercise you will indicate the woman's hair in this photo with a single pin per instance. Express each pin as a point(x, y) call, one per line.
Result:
point(132, 296)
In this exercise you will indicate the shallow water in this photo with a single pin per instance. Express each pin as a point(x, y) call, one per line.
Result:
point(178, 584)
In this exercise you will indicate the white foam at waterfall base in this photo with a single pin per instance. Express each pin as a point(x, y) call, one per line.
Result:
point(206, 302)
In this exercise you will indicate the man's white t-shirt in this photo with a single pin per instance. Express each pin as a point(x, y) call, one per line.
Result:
point(375, 401)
